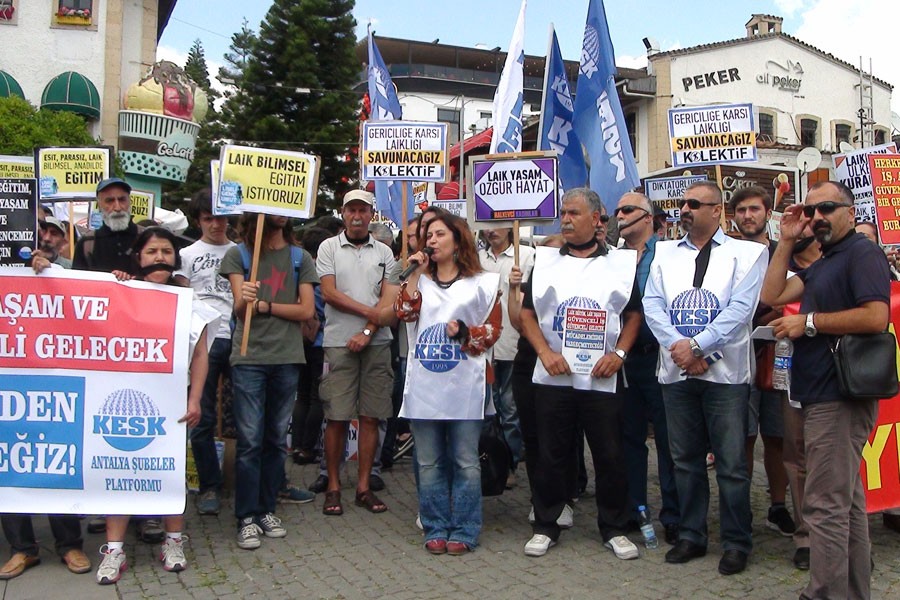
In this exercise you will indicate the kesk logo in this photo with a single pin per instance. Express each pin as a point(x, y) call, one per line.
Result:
point(128, 420)
point(437, 352)
point(692, 310)
point(590, 52)
point(575, 302)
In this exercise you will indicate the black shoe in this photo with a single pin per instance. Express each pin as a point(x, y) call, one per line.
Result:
point(685, 551)
point(672, 534)
point(303, 457)
point(801, 559)
point(733, 562)
point(319, 485)
point(376, 483)
point(779, 519)
point(891, 522)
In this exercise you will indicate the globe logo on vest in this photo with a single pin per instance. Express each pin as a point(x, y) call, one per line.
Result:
point(575, 302)
point(692, 310)
point(437, 352)
point(128, 420)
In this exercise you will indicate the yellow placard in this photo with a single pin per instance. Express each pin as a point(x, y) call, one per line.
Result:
point(274, 182)
point(65, 173)
point(21, 167)
point(142, 205)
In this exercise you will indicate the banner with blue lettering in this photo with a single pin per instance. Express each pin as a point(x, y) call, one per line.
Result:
point(557, 129)
point(93, 381)
point(507, 136)
point(599, 121)
point(385, 106)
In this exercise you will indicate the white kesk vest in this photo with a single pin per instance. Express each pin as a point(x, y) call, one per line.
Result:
point(692, 309)
point(601, 283)
point(442, 381)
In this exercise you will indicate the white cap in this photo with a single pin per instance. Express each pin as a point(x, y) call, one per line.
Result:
point(361, 195)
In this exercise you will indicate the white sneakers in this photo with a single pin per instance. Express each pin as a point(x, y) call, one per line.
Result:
point(112, 566)
point(566, 518)
point(623, 547)
point(538, 545)
point(171, 553)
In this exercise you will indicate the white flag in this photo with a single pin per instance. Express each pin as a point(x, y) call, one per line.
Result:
point(507, 135)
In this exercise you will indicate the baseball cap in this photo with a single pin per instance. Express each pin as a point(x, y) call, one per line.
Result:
point(361, 195)
point(111, 182)
point(54, 222)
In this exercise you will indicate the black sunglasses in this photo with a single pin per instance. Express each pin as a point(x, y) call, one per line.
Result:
point(695, 204)
point(824, 208)
point(628, 209)
point(604, 219)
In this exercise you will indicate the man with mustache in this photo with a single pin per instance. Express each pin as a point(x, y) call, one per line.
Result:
point(752, 207)
point(643, 396)
point(109, 248)
point(354, 268)
point(53, 240)
point(847, 291)
point(699, 302)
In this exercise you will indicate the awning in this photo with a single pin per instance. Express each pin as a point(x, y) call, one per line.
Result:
point(9, 86)
point(73, 92)
point(479, 140)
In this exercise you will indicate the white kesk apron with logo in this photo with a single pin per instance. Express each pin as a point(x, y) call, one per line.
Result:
point(597, 285)
point(442, 381)
point(691, 309)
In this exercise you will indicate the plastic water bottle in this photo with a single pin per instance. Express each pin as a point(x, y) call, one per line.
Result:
point(781, 371)
point(647, 530)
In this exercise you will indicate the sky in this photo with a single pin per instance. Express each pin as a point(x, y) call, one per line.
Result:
point(844, 28)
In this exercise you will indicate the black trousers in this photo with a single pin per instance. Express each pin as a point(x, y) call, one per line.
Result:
point(19, 533)
point(559, 413)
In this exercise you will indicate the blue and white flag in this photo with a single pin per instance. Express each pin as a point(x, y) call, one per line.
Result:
point(599, 121)
point(557, 131)
point(385, 106)
point(508, 98)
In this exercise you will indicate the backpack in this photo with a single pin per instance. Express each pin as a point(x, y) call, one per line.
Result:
point(296, 258)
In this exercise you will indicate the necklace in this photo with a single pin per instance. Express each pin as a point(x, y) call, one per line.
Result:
point(445, 284)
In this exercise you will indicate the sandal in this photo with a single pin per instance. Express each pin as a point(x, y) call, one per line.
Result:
point(370, 501)
point(332, 506)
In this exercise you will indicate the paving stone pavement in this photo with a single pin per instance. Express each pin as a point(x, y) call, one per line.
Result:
point(361, 555)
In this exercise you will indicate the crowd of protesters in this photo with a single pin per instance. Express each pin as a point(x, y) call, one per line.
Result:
point(469, 331)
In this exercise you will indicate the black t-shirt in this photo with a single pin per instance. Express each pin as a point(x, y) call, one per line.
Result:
point(850, 273)
point(109, 251)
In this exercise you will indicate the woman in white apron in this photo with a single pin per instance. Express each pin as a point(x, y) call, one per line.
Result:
point(453, 316)
point(156, 256)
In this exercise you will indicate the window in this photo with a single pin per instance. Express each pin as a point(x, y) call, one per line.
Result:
point(484, 114)
point(766, 127)
point(450, 116)
point(809, 132)
point(631, 127)
point(842, 133)
point(74, 12)
point(880, 137)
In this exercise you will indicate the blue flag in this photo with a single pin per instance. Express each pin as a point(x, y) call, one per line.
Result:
point(557, 133)
point(385, 106)
point(599, 121)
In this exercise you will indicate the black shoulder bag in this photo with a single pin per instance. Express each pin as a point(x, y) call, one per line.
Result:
point(866, 365)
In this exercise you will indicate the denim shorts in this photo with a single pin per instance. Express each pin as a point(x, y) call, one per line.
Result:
point(764, 414)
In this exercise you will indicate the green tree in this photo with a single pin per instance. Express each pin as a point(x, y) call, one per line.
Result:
point(231, 74)
point(24, 128)
point(304, 45)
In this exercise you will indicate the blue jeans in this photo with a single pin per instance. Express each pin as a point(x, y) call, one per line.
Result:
point(449, 479)
point(701, 415)
point(643, 403)
point(203, 436)
point(263, 401)
point(505, 405)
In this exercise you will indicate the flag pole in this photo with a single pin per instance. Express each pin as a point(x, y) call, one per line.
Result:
point(462, 145)
point(544, 95)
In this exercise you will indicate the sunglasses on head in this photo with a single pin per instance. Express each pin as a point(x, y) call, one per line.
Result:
point(695, 204)
point(824, 208)
point(628, 209)
point(604, 219)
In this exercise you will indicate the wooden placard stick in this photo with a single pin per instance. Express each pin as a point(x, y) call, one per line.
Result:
point(254, 271)
point(404, 216)
point(71, 231)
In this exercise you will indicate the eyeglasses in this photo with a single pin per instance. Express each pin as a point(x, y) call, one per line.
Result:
point(604, 219)
point(695, 204)
point(628, 209)
point(824, 208)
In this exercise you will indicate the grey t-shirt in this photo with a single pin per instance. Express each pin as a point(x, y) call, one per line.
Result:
point(273, 341)
point(359, 272)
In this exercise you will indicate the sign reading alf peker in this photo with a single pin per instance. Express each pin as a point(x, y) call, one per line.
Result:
point(91, 392)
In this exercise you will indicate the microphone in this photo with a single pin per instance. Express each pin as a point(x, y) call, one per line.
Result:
point(428, 251)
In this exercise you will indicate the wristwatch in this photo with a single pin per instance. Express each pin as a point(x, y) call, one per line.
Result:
point(810, 329)
point(621, 353)
point(367, 332)
point(695, 348)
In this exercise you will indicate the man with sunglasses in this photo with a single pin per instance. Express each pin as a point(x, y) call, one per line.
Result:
point(699, 302)
point(847, 291)
point(643, 396)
